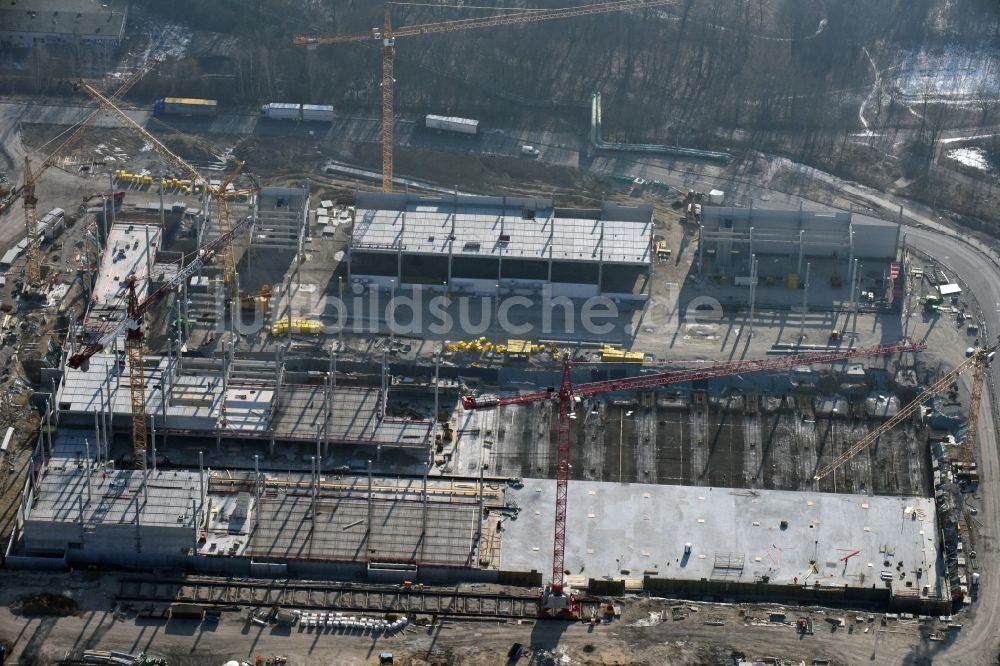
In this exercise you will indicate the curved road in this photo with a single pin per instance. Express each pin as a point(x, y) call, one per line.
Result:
point(978, 643)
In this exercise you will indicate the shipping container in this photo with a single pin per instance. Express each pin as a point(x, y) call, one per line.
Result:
point(186, 106)
point(281, 111)
point(10, 257)
point(52, 223)
point(452, 124)
point(299, 112)
point(317, 113)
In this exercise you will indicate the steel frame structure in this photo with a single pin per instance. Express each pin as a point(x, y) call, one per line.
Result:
point(556, 602)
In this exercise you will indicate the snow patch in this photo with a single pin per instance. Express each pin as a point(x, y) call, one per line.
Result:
point(949, 74)
point(971, 157)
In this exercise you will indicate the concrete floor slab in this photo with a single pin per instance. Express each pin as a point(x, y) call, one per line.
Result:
point(631, 530)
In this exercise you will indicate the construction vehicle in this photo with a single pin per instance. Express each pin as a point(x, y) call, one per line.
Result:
point(932, 304)
point(27, 190)
point(129, 83)
point(186, 106)
point(131, 327)
point(116, 199)
point(979, 359)
point(556, 601)
point(222, 192)
point(387, 36)
point(300, 112)
point(262, 298)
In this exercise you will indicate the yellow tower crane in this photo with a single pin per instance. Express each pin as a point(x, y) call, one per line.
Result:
point(27, 190)
point(224, 243)
point(221, 193)
point(980, 360)
point(387, 36)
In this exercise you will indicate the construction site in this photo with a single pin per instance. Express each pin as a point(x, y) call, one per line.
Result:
point(219, 378)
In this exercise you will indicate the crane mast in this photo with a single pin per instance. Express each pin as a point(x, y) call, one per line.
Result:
point(32, 251)
point(387, 35)
point(388, 114)
point(72, 138)
point(556, 597)
point(131, 326)
point(137, 377)
point(980, 360)
point(220, 193)
point(556, 603)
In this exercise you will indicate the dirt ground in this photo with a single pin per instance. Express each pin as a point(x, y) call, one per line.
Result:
point(702, 633)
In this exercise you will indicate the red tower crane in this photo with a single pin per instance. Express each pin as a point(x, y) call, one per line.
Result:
point(556, 603)
point(131, 327)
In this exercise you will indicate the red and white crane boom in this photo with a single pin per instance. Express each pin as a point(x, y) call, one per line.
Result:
point(133, 318)
point(555, 603)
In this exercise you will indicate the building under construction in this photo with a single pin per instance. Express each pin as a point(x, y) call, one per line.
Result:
point(478, 244)
point(289, 460)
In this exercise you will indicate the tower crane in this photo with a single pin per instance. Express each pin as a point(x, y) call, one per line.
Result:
point(387, 35)
point(27, 190)
point(556, 603)
point(979, 361)
point(131, 327)
point(221, 193)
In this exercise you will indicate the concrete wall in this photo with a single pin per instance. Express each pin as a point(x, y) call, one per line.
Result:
point(778, 232)
point(874, 239)
point(245, 567)
point(58, 537)
point(854, 597)
point(574, 290)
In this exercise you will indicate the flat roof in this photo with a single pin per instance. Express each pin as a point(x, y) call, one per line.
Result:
point(629, 530)
point(112, 498)
point(354, 418)
point(125, 254)
point(284, 530)
point(496, 227)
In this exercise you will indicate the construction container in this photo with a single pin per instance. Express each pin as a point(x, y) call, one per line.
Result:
point(281, 111)
point(793, 280)
point(317, 113)
point(452, 124)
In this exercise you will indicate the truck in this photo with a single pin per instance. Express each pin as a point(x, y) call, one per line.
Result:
point(452, 124)
point(281, 111)
point(297, 112)
point(317, 112)
point(185, 106)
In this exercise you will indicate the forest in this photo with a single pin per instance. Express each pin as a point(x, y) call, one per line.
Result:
point(839, 84)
